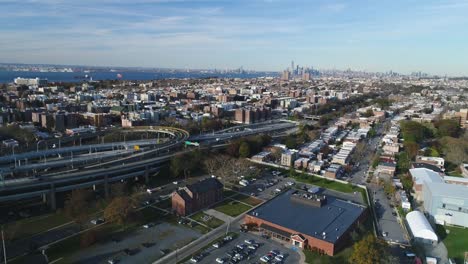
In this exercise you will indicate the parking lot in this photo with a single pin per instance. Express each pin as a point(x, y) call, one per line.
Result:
point(224, 253)
point(142, 246)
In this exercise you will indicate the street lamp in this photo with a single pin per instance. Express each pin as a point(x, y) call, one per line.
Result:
point(37, 145)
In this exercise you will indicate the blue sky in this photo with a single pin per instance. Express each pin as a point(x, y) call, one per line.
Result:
point(398, 35)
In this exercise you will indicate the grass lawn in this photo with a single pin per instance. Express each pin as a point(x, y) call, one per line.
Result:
point(337, 186)
point(232, 208)
point(456, 242)
point(34, 225)
point(247, 199)
point(212, 223)
point(228, 193)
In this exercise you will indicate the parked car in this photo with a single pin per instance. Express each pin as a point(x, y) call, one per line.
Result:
point(97, 221)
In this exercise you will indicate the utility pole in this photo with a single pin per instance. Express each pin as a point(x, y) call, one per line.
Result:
point(4, 248)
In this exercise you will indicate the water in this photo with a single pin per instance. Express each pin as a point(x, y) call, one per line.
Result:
point(8, 76)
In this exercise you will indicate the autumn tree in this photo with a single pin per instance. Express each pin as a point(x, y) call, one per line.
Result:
point(119, 210)
point(77, 205)
point(369, 250)
point(244, 150)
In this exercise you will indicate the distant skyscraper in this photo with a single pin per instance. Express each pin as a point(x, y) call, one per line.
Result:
point(292, 67)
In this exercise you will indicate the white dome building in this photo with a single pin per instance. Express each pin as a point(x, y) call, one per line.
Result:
point(420, 227)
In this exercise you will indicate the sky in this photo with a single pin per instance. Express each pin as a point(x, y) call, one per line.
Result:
point(372, 35)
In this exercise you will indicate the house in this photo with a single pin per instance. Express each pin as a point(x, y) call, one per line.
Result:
point(199, 195)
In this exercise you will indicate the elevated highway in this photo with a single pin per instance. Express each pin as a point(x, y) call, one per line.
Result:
point(109, 164)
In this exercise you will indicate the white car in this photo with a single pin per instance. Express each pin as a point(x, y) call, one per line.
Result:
point(148, 225)
point(220, 260)
point(279, 257)
point(265, 259)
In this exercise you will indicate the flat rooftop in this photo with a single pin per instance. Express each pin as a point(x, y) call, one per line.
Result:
point(333, 218)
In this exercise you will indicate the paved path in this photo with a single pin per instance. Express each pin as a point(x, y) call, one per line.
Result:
point(224, 217)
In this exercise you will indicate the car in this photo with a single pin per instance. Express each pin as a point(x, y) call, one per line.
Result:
point(253, 247)
point(97, 221)
point(260, 189)
point(227, 238)
point(127, 252)
point(217, 245)
point(241, 246)
point(394, 213)
point(384, 234)
point(175, 182)
point(112, 261)
point(220, 260)
point(249, 241)
point(195, 259)
point(274, 252)
point(265, 259)
point(148, 225)
point(279, 257)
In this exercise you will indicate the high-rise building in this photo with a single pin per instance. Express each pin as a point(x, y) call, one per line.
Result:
point(292, 67)
point(286, 75)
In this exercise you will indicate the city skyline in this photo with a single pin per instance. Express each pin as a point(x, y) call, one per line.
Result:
point(403, 36)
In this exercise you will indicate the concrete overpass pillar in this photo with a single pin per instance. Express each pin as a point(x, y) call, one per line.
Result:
point(44, 198)
point(53, 202)
point(146, 174)
point(106, 186)
point(94, 187)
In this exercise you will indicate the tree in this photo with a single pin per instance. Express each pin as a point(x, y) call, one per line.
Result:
point(233, 148)
point(291, 142)
point(448, 128)
point(77, 204)
point(183, 164)
point(411, 148)
point(367, 251)
point(403, 162)
point(244, 150)
point(119, 210)
point(407, 182)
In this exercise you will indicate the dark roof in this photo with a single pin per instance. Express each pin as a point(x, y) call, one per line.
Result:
point(184, 195)
point(427, 166)
point(333, 218)
point(205, 185)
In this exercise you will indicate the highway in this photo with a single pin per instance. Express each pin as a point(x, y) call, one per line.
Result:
point(109, 164)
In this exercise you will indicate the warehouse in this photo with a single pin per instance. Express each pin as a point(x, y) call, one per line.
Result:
point(308, 221)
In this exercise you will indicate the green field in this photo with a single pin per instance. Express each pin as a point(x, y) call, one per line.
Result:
point(456, 242)
point(232, 208)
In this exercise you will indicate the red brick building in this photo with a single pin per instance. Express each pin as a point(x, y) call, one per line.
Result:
point(197, 196)
point(308, 221)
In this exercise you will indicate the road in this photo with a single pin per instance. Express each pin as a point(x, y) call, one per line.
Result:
point(388, 224)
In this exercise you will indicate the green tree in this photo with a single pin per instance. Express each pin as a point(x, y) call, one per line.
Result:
point(244, 150)
point(448, 128)
point(367, 251)
point(291, 142)
point(403, 162)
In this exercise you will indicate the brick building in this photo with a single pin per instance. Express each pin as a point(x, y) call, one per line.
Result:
point(308, 221)
point(197, 196)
